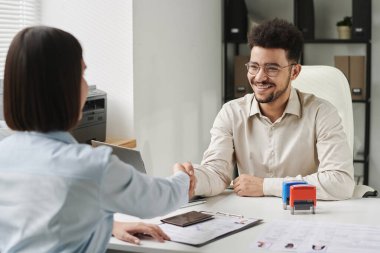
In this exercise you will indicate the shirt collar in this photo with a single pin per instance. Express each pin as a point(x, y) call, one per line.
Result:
point(293, 106)
point(62, 136)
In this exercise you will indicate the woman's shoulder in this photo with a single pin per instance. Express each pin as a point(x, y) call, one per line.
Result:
point(86, 155)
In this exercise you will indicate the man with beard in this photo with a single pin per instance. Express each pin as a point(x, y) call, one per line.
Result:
point(277, 133)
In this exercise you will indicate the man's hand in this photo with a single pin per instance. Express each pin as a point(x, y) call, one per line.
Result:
point(125, 231)
point(247, 185)
point(187, 168)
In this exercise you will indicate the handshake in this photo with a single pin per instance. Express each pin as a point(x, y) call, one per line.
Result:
point(189, 170)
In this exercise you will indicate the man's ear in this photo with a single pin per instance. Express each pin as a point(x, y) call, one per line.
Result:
point(295, 71)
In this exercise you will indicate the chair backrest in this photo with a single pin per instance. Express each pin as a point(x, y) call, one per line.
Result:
point(330, 84)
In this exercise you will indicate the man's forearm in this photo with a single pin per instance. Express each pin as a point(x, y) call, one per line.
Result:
point(331, 185)
point(209, 182)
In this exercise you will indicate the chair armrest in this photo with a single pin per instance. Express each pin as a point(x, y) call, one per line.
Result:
point(363, 191)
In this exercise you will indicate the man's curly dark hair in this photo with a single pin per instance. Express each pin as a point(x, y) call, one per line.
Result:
point(278, 33)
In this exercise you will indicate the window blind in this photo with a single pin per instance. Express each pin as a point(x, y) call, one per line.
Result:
point(14, 16)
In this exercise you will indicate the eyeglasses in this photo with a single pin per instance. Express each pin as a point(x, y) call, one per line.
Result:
point(271, 70)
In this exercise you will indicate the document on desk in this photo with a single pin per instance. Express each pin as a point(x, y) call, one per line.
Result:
point(205, 232)
point(307, 236)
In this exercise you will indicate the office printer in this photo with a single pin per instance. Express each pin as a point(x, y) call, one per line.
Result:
point(92, 126)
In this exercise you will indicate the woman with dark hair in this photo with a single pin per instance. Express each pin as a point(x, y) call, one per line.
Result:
point(58, 195)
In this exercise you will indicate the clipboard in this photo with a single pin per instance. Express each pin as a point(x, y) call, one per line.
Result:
point(222, 225)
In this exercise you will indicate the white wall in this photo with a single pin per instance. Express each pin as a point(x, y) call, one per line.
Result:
point(177, 78)
point(105, 32)
point(167, 96)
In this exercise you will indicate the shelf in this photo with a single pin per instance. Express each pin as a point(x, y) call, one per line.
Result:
point(125, 143)
point(335, 41)
point(317, 41)
point(360, 44)
point(361, 101)
point(361, 158)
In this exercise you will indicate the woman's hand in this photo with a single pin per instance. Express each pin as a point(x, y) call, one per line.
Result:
point(126, 231)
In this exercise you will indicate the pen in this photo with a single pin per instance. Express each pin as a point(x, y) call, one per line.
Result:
point(193, 203)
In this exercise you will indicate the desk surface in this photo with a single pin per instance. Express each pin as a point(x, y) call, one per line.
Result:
point(355, 211)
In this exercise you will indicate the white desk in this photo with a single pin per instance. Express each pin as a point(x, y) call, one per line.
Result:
point(359, 211)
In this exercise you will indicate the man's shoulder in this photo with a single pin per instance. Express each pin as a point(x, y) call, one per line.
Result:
point(309, 101)
point(242, 102)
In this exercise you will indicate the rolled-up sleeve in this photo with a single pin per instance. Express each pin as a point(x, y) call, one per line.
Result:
point(334, 178)
point(215, 172)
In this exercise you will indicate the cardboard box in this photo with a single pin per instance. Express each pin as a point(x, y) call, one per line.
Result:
point(353, 67)
point(343, 63)
point(357, 77)
point(241, 83)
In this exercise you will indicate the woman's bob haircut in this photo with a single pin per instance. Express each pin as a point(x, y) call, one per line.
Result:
point(42, 80)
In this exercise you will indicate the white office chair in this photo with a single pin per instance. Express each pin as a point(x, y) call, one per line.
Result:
point(330, 84)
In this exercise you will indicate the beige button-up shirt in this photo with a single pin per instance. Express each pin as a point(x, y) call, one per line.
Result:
point(307, 142)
